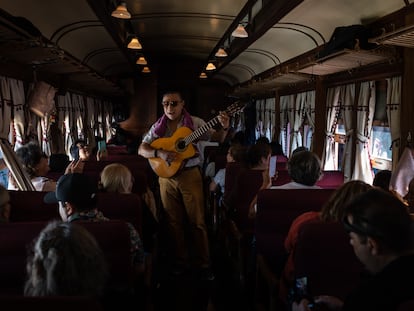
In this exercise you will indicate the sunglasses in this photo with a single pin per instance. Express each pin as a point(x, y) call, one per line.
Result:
point(172, 103)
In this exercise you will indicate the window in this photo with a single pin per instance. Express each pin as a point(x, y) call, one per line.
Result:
point(380, 138)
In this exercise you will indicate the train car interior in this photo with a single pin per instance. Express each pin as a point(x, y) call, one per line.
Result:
point(332, 77)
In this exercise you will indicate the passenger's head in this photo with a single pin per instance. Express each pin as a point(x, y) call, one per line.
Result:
point(276, 148)
point(4, 205)
point(263, 139)
point(116, 177)
point(258, 155)
point(74, 193)
point(66, 260)
point(382, 179)
point(304, 167)
point(236, 153)
point(299, 149)
point(33, 159)
point(333, 210)
point(173, 104)
point(379, 226)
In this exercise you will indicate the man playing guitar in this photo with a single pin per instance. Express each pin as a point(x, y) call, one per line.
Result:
point(181, 183)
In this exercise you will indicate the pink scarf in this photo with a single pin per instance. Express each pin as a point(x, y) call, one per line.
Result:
point(161, 124)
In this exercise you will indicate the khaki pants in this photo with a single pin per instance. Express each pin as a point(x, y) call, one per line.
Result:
point(182, 196)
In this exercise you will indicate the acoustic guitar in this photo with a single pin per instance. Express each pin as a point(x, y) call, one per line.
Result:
point(181, 143)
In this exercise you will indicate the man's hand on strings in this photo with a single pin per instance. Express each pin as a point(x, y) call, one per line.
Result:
point(224, 119)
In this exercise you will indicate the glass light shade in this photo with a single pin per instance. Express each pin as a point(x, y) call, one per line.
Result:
point(240, 32)
point(121, 11)
point(134, 44)
point(210, 67)
point(203, 75)
point(146, 70)
point(141, 60)
point(221, 53)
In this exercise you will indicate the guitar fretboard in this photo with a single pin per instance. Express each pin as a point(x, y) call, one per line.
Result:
point(200, 131)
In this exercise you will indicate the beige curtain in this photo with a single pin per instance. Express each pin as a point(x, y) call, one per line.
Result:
point(333, 105)
point(393, 114)
point(365, 114)
point(283, 136)
point(347, 109)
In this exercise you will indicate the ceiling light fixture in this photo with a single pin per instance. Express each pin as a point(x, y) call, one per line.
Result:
point(240, 32)
point(221, 53)
point(121, 11)
point(134, 44)
point(210, 67)
point(141, 61)
point(146, 70)
point(203, 75)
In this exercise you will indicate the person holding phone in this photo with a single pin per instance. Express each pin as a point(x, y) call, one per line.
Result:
point(379, 228)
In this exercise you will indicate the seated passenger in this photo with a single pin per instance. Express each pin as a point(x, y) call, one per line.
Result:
point(332, 211)
point(382, 179)
point(117, 178)
point(234, 154)
point(379, 229)
point(304, 168)
point(66, 260)
point(36, 164)
point(76, 196)
point(4, 205)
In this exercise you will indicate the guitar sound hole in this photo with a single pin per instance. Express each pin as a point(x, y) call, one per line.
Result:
point(181, 145)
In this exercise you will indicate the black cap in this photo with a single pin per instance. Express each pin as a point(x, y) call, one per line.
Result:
point(73, 188)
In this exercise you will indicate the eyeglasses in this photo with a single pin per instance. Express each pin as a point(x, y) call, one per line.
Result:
point(365, 229)
point(172, 103)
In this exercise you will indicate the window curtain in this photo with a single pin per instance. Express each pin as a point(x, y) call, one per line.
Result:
point(260, 111)
point(65, 117)
point(284, 106)
point(11, 90)
point(365, 113)
point(19, 119)
point(44, 133)
point(6, 107)
point(269, 118)
point(295, 121)
point(333, 106)
point(347, 98)
point(109, 118)
point(91, 118)
point(309, 115)
point(393, 114)
point(78, 109)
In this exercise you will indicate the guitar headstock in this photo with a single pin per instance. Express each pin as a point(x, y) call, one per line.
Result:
point(235, 108)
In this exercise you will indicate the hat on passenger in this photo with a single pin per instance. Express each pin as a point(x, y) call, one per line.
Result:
point(73, 188)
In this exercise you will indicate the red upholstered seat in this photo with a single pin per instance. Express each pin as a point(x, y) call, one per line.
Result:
point(323, 255)
point(29, 206)
point(276, 209)
point(331, 179)
point(50, 303)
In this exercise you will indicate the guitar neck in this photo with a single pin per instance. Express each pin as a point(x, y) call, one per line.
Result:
point(201, 130)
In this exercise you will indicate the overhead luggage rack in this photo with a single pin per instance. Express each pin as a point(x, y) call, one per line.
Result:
point(402, 37)
point(346, 59)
